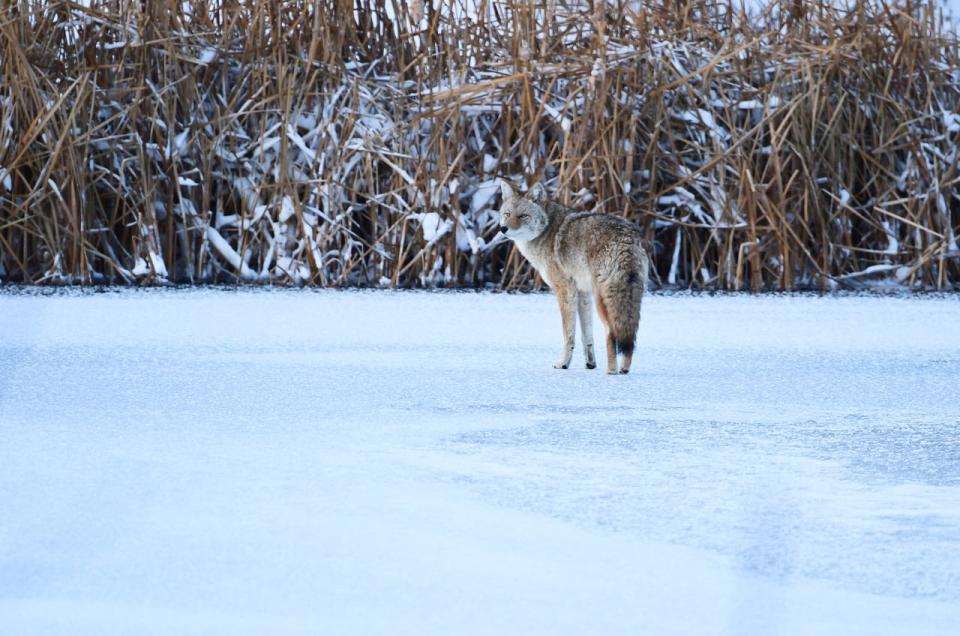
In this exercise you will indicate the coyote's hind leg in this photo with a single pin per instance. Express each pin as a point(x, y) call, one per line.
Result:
point(585, 312)
point(611, 343)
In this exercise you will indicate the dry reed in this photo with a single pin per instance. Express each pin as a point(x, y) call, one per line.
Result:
point(358, 142)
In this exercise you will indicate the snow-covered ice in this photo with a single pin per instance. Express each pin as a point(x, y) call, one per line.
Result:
point(303, 462)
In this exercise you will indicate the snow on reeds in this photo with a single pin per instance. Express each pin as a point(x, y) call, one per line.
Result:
point(358, 142)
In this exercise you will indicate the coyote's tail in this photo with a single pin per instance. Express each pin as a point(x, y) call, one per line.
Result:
point(623, 297)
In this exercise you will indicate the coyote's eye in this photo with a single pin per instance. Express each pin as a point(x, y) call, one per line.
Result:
point(524, 217)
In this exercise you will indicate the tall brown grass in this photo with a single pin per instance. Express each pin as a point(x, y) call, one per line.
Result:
point(357, 142)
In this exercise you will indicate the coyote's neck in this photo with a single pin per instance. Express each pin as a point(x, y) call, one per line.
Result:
point(540, 249)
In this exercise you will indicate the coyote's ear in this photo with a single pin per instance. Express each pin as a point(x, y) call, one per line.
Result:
point(507, 191)
point(537, 193)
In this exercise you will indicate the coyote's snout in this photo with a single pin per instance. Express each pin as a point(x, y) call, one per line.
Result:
point(582, 256)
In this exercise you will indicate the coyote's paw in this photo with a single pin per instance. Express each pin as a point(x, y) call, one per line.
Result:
point(591, 365)
point(560, 365)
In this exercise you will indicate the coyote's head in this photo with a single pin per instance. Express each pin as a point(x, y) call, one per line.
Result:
point(523, 218)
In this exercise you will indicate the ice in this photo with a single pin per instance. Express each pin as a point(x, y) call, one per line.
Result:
point(320, 462)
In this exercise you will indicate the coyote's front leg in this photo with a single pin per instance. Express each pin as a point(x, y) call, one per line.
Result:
point(567, 297)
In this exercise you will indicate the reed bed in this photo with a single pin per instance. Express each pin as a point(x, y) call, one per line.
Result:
point(358, 142)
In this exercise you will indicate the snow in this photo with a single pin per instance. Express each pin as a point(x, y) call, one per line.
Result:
point(489, 163)
point(484, 195)
point(432, 225)
point(207, 55)
point(227, 252)
point(293, 462)
point(140, 268)
point(287, 209)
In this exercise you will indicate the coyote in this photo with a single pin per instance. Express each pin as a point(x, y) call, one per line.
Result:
point(579, 254)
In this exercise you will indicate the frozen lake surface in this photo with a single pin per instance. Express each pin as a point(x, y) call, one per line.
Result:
point(300, 462)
